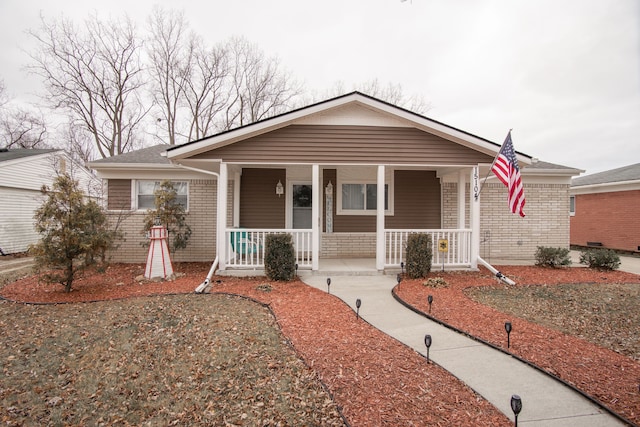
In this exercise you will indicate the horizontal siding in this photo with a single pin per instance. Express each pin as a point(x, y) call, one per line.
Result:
point(417, 200)
point(260, 207)
point(17, 230)
point(348, 144)
point(119, 194)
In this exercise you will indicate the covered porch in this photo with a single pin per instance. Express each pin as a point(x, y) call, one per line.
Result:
point(312, 223)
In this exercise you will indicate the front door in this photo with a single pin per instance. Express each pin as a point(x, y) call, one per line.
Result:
point(301, 215)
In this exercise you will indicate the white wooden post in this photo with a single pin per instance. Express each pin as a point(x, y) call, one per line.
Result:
point(380, 252)
point(474, 201)
point(316, 219)
point(236, 199)
point(221, 246)
point(461, 200)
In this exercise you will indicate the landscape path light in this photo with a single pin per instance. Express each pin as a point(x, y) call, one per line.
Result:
point(399, 279)
point(508, 328)
point(358, 304)
point(430, 300)
point(328, 285)
point(402, 267)
point(516, 407)
point(427, 342)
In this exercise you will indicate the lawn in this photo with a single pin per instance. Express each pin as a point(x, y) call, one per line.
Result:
point(166, 360)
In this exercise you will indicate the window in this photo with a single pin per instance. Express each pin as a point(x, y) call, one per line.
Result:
point(145, 193)
point(572, 205)
point(361, 198)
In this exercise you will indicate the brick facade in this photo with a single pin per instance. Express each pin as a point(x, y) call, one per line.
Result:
point(607, 218)
point(509, 237)
point(348, 245)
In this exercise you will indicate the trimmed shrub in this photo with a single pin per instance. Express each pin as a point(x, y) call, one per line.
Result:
point(552, 257)
point(601, 259)
point(279, 257)
point(419, 255)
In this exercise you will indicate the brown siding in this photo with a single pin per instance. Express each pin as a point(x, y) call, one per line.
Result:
point(119, 194)
point(260, 207)
point(417, 200)
point(352, 144)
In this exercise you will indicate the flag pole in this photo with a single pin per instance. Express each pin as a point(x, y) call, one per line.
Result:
point(491, 167)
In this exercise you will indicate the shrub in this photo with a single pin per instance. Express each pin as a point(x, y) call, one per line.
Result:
point(279, 257)
point(74, 232)
point(436, 282)
point(419, 255)
point(601, 259)
point(552, 257)
point(170, 213)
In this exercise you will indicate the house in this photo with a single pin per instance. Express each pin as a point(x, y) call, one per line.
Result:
point(604, 209)
point(23, 172)
point(318, 173)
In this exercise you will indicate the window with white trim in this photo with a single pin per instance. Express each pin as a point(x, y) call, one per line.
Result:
point(361, 198)
point(145, 193)
point(572, 205)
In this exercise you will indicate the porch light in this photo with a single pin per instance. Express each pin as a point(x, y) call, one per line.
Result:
point(516, 407)
point(430, 300)
point(358, 304)
point(427, 342)
point(507, 327)
point(279, 188)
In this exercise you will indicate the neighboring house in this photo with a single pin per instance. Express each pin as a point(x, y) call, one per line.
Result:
point(318, 173)
point(604, 209)
point(23, 172)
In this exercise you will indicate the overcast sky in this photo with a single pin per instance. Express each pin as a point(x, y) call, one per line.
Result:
point(564, 74)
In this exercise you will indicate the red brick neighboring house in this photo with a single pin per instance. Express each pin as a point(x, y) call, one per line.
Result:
point(605, 209)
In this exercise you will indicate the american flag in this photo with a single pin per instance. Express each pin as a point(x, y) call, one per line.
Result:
point(505, 167)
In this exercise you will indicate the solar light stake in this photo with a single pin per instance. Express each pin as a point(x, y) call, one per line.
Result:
point(516, 407)
point(402, 267)
point(399, 279)
point(328, 285)
point(296, 268)
point(358, 304)
point(507, 327)
point(427, 342)
point(430, 300)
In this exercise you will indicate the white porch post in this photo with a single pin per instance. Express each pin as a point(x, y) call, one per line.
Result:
point(316, 218)
point(221, 244)
point(236, 199)
point(461, 200)
point(380, 248)
point(474, 201)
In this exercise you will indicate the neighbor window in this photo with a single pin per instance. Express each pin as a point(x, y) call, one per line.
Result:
point(572, 205)
point(361, 198)
point(146, 197)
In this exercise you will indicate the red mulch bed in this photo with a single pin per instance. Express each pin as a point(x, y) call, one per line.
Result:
point(374, 379)
point(610, 377)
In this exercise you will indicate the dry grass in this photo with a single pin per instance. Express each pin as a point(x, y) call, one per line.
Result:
point(207, 359)
point(603, 314)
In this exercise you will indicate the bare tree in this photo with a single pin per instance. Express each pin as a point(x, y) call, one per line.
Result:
point(170, 57)
point(259, 87)
point(20, 127)
point(95, 74)
point(204, 90)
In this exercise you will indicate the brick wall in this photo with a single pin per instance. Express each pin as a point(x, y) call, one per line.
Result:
point(608, 218)
point(348, 245)
point(507, 236)
point(201, 217)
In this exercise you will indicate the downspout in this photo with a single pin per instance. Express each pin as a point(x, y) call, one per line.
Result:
point(499, 275)
point(202, 287)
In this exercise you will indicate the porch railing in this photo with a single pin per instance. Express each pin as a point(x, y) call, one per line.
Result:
point(245, 246)
point(457, 255)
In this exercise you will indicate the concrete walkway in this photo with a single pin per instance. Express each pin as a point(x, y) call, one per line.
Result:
point(491, 373)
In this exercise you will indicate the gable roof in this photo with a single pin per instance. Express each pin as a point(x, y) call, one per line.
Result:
point(150, 155)
point(21, 153)
point(382, 108)
point(612, 176)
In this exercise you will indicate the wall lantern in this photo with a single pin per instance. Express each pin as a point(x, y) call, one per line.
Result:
point(279, 188)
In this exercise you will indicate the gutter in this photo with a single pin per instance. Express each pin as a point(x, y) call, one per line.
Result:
point(498, 275)
point(202, 287)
